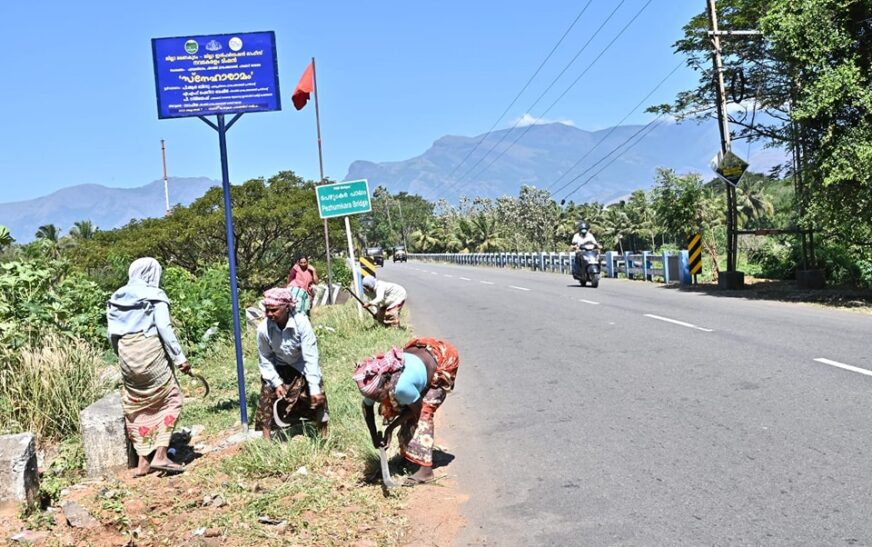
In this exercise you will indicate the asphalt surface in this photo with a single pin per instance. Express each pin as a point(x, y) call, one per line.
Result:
point(634, 414)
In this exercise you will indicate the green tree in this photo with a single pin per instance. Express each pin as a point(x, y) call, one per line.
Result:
point(275, 221)
point(6, 238)
point(684, 206)
point(616, 225)
point(642, 217)
point(48, 232)
point(83, 230)
point(753, 202)
point(810, 72)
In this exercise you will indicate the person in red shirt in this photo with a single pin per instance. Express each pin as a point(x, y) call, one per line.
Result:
point(302, 278)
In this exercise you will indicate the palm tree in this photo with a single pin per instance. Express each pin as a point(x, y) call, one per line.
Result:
point(6, 238)
point(424, 238)
point(752, 201)
point(641, 215)
point(48, 232)
point(487, 234)
point(83, 230)
point(616, 226)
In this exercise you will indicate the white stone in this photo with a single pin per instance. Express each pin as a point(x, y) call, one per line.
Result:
point(105, 437)
point(19, 479)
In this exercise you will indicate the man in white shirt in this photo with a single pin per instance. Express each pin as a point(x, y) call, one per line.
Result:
point(289, 365)
point(386, 300)
point(582, 239)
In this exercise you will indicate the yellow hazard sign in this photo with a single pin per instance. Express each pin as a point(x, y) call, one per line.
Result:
point(694, 254)
point(366, 267)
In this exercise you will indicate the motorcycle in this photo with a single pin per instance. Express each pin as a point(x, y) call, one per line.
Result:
point(587, 259)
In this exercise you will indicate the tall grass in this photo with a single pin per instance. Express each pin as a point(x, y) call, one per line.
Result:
point(44, 387)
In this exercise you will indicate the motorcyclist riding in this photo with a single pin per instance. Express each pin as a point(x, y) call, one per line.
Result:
point(582, 239)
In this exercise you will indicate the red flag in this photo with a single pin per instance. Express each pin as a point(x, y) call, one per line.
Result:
point(304, 88)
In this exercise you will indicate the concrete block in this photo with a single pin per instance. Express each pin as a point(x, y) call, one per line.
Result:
point(19, 480)
point(731, 281)
point(811, 279)
point(105, 437)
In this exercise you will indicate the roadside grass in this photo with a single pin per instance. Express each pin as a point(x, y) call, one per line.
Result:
point(317, 486)
point(44, 388)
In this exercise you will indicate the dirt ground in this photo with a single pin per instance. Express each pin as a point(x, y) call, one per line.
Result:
point(163, 510)
point(433, 515)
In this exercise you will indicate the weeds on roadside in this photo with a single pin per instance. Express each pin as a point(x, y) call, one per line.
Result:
point(46, 387)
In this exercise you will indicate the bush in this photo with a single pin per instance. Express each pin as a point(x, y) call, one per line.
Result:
point(46, 387)
point(341, 272)
point(776, 259)
point(41, 295)
point(198, 304)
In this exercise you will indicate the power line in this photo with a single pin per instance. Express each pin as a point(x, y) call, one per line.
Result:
point(641, 133)
point(615, 127)
point(597, 58)
point(518, 96)
point(547, 89)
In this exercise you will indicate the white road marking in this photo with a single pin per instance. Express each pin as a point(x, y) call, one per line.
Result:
point(487, 282)
point(465, 278)
point(519, 288)
point(676, 322)
point(588, 301)
point(844, 366)
point(446, 275)
point(434, 273)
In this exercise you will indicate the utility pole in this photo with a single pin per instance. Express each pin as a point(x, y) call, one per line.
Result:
point(163, 152)
point(731, 279)
point(403, 225)
point(321, 167)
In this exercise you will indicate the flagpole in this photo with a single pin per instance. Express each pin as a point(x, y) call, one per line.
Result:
point(321, 166)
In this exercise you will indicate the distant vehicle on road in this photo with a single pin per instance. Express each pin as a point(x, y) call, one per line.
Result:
point(400, 254)
point(376, 255)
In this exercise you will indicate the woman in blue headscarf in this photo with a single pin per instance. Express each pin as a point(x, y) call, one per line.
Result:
point(142, 336)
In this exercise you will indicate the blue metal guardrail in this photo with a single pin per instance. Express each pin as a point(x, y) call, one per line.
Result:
point(647, 265)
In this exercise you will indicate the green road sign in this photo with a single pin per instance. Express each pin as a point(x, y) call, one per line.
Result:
point(343, 198)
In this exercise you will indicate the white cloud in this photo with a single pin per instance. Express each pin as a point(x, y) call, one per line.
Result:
point(529, 119)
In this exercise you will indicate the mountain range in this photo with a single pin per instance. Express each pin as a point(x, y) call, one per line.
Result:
point(572, 163)
point(105, 207)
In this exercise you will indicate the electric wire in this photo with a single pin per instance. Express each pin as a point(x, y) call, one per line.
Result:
point(589, 66)
point(518, 96)
point(641, 133)
point(615, 127)
point(539, 98)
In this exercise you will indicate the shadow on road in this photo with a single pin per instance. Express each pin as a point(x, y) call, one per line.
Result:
point(787, 291)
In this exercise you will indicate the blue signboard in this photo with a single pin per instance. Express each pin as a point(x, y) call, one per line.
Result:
point(216, 74)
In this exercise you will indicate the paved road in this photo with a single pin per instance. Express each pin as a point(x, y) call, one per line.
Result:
point(633, 414)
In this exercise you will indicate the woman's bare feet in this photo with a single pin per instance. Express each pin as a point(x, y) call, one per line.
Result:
point(143, 468)
point(421, 476)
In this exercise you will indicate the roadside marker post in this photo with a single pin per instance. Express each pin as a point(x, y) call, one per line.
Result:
point(694, 251)
point(367, 267)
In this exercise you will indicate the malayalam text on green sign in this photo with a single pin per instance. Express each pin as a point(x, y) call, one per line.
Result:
point(343, 198)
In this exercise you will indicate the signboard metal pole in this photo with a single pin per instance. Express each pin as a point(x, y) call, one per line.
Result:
point(219, 74)
point(222, 129)
point(353, 264)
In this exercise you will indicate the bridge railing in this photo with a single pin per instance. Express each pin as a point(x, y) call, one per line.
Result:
point(647, 266)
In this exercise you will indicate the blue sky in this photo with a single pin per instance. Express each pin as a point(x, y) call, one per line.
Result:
point(78, 85)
